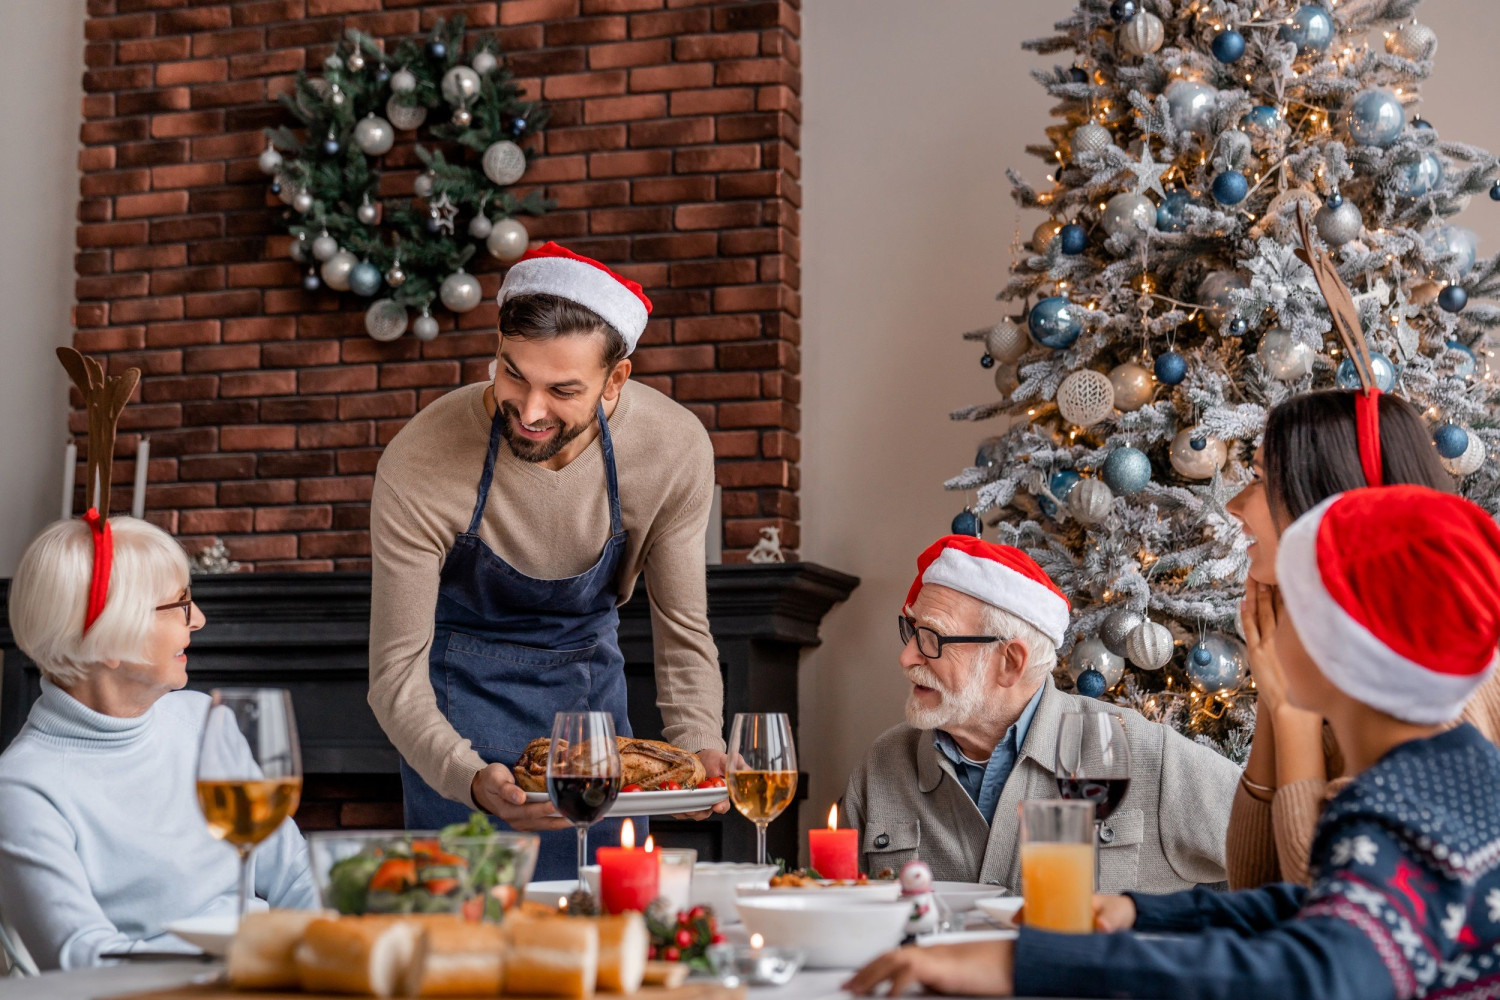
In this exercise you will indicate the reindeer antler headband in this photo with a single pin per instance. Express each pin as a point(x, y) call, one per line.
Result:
point(104, 398)
point(1345, 316)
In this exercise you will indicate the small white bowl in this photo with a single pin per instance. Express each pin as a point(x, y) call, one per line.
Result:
point(212, 934)
point(867, 892)
point(837, 932)
point(715, 882)
point(961, 897)
point(1001, 909)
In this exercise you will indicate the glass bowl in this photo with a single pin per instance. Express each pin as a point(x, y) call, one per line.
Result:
point(478, 877)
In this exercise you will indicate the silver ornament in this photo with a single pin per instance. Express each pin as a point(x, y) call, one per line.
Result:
point(1090, 138)
point(302, 202)
point(460, 84)
point(324, 247)
point(422, 185)
point(270, 160)
point(1226, 665)
point(507, 241)
point(368, 212)
point(1007, 379)
point(480, 226)
point(385, 320)
point(1006, 342)
point(1461, 243)
point(1192, 105)
point(1197, 463)
point(1085, 397)
point(484, 62)
point(1128, 213)
point(1142, 34)
point(1117, 628)
point(300, 250)
point(426, 327)
point(403, 81)
point(1045, 234)
point(374, 135)
point(460, 291)
point(504, 162)
point(356, 60)
point(336, 96)
point(1133, 386)
point(1412, 40)
point(1149, 646)
point(1286, 358)
point(461, 117)
point(1214, 293)
point(336, 270)
point(333, 63)
point(405, 116)
point(1092, 654)
point(1469, 462)
point(1339, 225)
point(1375, 117)
point(395, 277)
point(1090, 501)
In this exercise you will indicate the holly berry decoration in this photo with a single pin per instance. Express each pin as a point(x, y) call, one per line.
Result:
point(682, 936)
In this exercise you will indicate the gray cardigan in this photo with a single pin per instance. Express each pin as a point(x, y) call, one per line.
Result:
point(1166, 835)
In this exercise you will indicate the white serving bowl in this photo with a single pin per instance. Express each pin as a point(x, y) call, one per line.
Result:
point(715, 882)
point(961, 897)
point(837, 932)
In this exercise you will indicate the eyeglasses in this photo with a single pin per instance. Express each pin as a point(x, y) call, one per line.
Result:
point(929, 643)
point(186, 604)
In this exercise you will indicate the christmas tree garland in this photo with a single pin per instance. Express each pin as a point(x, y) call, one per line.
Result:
point(403, 254)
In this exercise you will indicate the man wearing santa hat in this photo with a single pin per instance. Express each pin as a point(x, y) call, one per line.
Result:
point(509, 520)
point(980, 630)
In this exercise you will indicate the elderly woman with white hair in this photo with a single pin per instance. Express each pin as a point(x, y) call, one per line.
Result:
point(101, 838)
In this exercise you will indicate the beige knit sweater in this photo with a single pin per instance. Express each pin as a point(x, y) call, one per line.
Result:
point(548, 525)
point(1271, 841)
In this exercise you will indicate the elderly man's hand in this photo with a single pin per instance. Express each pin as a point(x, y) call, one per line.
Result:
point(981, 968)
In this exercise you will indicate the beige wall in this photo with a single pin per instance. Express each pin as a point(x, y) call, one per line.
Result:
point(914, 108)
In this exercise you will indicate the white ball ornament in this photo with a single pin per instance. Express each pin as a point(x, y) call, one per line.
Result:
point(368, 213)
point(324, 247)
point(1142, 34)
point(1092, 654)
point(385, 320)
point(480, 226)
point(270, 160)
point(1286, 359)
point(1128, 213)
point(1133, 386)
point(336, 270)
point(425, 327)
point(1006, 342)
point(1469, 462)
point(507, 240)
point(1090, 501)
point(302, 202)
point(460, 84)
point(403, 81)
point(1192, 105)
point(460, 291)
point(374, 135)
point(422, 186)
point(1197, 455)
point(405, 116)
point(1090, 138)
point(1085, 397)
point(484, 63)
point(504, 162)
point(1149, 646)
point(1412, 40)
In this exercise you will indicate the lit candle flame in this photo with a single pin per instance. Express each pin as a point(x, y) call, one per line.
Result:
point(627, 834)
point(562, 902)
point(650, 842)
point(833, 817)
point(756, 941)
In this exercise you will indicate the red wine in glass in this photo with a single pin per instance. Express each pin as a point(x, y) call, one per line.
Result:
point(1104, 793)
point(582, 800)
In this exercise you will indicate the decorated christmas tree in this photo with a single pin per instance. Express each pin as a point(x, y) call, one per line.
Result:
point(1162, 310)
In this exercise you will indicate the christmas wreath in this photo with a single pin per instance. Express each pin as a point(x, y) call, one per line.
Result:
point(404, 253)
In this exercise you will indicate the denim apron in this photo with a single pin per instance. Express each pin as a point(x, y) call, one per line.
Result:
point(509, 651)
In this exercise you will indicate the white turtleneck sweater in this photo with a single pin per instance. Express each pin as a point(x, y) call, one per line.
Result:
point(101, 838)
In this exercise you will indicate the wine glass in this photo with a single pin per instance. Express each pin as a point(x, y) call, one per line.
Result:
point(249, 770)
point(762, 770)
point(583, 773)
point(1093, 763)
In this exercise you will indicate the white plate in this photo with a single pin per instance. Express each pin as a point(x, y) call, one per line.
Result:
point(961, 897)
point(212, 934)
point(966, 937)
point(657, 803)
point(548, 893)
point(882, 891)
point(1001, 909)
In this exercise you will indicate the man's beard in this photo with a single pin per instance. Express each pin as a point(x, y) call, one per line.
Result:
point(956, 708)
point(539, 451)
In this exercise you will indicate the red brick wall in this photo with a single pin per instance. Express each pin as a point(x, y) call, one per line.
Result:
point(672, 154)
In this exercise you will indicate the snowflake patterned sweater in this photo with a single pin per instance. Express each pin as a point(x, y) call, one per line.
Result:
point(1405, 902)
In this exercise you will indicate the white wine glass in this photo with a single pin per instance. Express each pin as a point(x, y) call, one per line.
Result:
point(762, 770)
point(583, 773)
point(249, 770)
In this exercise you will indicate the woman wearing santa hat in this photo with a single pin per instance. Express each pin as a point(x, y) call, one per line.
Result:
point(509, 520)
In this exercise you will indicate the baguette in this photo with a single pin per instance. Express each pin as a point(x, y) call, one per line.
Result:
point(551, 957)
point(457, 958)
point(367, 956)
point(260, 956)
point(623, 945)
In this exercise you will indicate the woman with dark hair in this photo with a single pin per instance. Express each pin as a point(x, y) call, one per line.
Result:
point(1311, 450)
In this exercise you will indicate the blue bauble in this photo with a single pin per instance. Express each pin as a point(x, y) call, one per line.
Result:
point(437, 49)
point(1334, 199)
point(1123, 10)
point(1420, 122)
point(1230, 187)
point(517, 127)
point(1217, 662)
point(1061, 484)
point(1385, 373)
point(1075, 239)
point(1078, 74)
point(1170, 368)
point(1228, 46)
point(1169, 214)
point(276, 187)
point(364, 279)
point(1418, 177)
point(1238, 327)
point(1375, 118)
point(1310, 29)
point(1262, 116)
point(311, 281)
point(983, 459)
point(986, 361)
point(1090, 683)
point(1126, 471)
point(331, 146)
point(1055, 322)
point(1451, 440)
point(1453, 298)
point(1495, 191)
point(382, 75)
point(966, 522)
point(1462, 243)
point(1465, 367)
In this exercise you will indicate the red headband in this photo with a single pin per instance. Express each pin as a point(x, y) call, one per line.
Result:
point(1367, 432)
point(104, 554)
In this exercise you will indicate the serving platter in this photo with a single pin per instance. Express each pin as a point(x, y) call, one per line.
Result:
point(657, 803)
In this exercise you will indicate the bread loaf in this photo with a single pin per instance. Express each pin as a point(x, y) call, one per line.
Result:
point(648, 763)
point(260, 956)
point(551, 957)
point(457, 958)
point(369, 956)
point(623, 946)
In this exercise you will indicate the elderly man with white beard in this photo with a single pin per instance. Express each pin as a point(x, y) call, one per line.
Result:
point(980, 630)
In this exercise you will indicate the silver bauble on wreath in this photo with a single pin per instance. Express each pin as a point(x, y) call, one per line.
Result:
point(1286, 358)
point(1128, 213)
point(403, 81)
point(460, 291)
point(1117, 628)
point(1006, 342)
point(405, 116)
point(1469, 462)
point(1090, 501)
point(1142, 34)
point(1149, 646)
point(324, 247)
point(480, 226)
point(1412, 40)
point(507, 241)
point(1132, 384)
point(1192, 105)
point(336, 270)
point(422, 185)
point(1090, 138)
point(1092, 654)
point(426, 327)
point(460, 84)
point(1045, 234)
point(270, 160)
point(462, 117)
point(374, 135)
point(302, 202)
point(504, 162)
point(1195, 454)
point(1338, 225)
point(1085, 397)
point(385, 320)
point(484, 62)
point(395, 277)
point(1217, 663)
point(368, 212)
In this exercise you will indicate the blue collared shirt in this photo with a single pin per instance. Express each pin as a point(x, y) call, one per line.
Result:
point(985, 780)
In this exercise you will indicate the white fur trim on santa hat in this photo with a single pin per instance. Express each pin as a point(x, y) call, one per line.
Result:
point(1348, 654)
point(583, 283)
point(997, 584)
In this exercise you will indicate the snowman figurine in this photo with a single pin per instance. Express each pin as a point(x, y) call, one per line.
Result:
point(916, 889)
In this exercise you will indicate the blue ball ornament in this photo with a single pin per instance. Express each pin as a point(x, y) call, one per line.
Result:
point(331, 146)
point(1310, 29)
point(1420, 122)
point(986, 361)
point(1201, 655)
point(1375, 117)
point(1469, 363)
point(1495, 191)
point(1347, 376)
point(1334, 199)
point(1090, 683)
point(1055, 322)
point(1060, 485)
point(1461, 243)
point(1262, 116)
point(1127, 470)
point(1453, 298)
point(382, 75)
point(437, 49)
point(1170, 368)
point(1123, 10)
point(275, 187)
point(517, 127)
point(1228, 46)
point(310, 281)
point(1238, 327)
point(1169, 214)
point(1230, 187)
point(1078, 74)
point(364, 279)
point(1217, 662)
point(1418, 177)
point(1451, 440)
point(1075, 239)
point(966, 522)
point(1198, 443)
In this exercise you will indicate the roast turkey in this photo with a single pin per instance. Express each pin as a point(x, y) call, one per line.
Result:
point(648, 763)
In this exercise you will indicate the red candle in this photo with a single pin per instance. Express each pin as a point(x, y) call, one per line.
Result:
point(628, 878)
point(834, 853)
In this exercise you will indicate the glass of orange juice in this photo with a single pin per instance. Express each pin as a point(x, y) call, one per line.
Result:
point(1057, 865)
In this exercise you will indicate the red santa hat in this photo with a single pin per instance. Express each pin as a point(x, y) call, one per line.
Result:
point(1395, 593)
point(999, 575)
point(555, 270)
